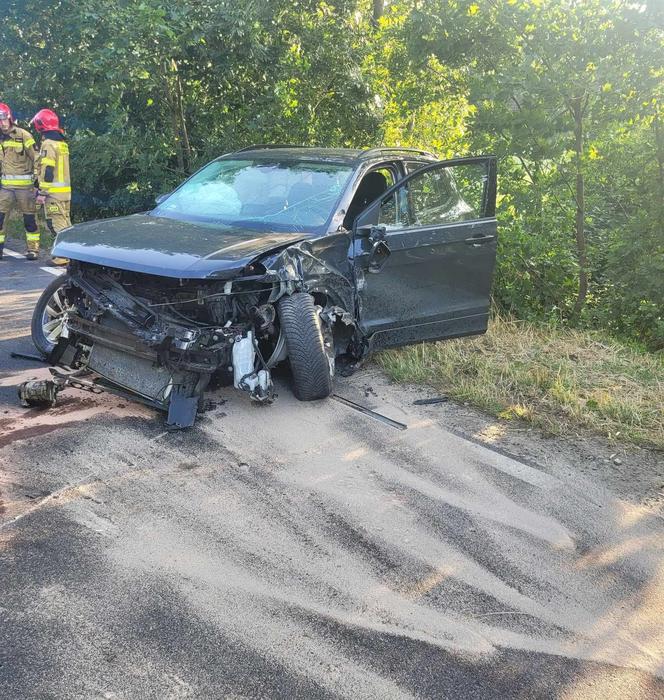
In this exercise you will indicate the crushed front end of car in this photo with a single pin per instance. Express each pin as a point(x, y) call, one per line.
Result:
point(243, 265)
point(165, 339)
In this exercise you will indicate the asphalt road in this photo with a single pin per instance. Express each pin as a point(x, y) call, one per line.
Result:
point(305, 550)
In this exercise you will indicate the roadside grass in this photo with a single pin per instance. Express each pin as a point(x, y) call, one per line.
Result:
point(559, 380)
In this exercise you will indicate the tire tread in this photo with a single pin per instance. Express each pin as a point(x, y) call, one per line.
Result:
point(306, 349)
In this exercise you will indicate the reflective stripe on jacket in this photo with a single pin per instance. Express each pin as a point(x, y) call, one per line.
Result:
point(52, 169)
point(16, 180)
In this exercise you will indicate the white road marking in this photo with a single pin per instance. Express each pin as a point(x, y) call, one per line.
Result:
point(54, 270)
point(13, 254)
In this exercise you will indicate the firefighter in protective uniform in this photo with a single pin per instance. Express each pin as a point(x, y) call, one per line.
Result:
point(18, 152)
point(52, 173)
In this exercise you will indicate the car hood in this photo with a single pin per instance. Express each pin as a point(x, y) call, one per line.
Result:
point(168, 247)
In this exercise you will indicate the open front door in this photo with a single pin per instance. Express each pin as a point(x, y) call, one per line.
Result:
point(425, 252)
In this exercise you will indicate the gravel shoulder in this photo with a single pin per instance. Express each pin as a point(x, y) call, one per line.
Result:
point(631, 472)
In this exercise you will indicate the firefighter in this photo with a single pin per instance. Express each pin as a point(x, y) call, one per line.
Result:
point(18, 152)
point(52, 173)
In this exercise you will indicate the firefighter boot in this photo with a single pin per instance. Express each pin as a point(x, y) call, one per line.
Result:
point(31, 236)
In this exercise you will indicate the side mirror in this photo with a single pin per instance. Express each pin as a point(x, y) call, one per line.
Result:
point(380, 252)
point(378, 233)
point(373, 233)
point(363, 231)
point(161, 197)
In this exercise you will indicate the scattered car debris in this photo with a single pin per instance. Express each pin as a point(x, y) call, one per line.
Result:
point(427, 402)
point(39, 392)
point(369, 412)
point(28, 356)
point(44, 392)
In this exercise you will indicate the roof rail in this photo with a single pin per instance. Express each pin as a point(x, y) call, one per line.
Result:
point(397, 149)
point(265, 146)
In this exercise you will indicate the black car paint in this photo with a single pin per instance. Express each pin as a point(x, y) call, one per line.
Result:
point(168, 247)
point(434, 284)
point(398, 306)
point(437, 280)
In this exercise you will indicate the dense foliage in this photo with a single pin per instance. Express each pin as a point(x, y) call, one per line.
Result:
point(568, 93)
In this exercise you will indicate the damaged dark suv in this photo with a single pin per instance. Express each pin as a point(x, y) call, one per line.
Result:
point(274, 253)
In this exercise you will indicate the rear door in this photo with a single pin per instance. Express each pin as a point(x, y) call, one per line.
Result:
point(440, 228)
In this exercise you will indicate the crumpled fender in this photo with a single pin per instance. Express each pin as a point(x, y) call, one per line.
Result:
point(319, 266)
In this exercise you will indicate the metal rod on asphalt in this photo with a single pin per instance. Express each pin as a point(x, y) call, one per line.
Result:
point(369, 412)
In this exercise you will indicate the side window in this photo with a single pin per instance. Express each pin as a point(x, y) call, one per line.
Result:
point(372, 185)
point(393, 213)
point(413, 165)
point(448, 195)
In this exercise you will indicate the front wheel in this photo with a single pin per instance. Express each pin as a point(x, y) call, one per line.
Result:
point(49, 316)
point(310, 347)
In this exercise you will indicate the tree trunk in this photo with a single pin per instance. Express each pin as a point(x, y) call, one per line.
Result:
point(378, 9)
point(182, 122)
point(171, 105)
point(175, 105)
point(659, 143)
point(578, 107)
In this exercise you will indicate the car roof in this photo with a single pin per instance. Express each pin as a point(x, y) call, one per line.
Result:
point(349, 156)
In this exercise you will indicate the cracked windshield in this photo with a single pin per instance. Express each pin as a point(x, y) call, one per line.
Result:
point(261, 195)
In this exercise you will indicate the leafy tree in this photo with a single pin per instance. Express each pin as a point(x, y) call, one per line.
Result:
point(568, 94)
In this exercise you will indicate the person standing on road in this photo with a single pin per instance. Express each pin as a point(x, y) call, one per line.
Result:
point(52, 173)
point(18, 152)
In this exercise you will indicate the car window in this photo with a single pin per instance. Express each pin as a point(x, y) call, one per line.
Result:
point(370, 187)
point(413, 165)
point(446, 195)
point(260, 194)
point(387, 173)
point(392, 211)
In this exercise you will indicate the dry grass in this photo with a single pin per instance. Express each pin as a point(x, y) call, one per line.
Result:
point(559, 380)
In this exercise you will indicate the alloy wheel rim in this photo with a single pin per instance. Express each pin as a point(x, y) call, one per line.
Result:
point(54, 315)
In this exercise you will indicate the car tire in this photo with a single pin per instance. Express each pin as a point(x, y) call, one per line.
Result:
point(50, 305)
point(310, 347)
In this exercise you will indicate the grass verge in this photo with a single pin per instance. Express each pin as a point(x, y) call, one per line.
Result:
point(558, 380)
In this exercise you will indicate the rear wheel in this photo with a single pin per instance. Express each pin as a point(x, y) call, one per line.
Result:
point(49, 315)
point(310, 347)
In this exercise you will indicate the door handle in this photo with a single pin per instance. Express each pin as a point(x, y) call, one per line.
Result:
point(479, 240)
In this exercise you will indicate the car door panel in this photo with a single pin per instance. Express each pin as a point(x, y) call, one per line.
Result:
point(436, 282)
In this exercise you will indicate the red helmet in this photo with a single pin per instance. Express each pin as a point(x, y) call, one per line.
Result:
point(5, 112)
point(46, 120)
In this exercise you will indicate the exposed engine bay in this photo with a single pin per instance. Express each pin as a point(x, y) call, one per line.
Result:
point(165, 339)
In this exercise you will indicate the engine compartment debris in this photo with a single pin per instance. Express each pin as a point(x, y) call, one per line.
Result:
point(39, 392)
point(163, 340)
